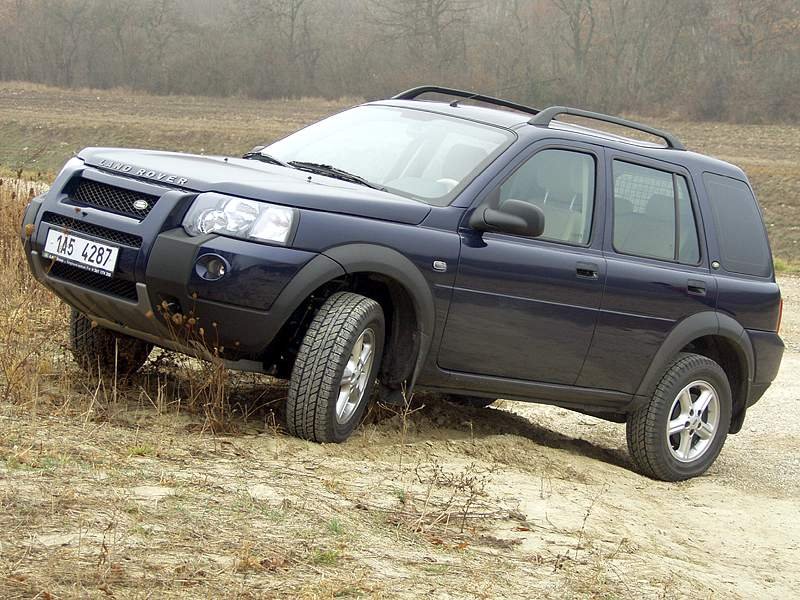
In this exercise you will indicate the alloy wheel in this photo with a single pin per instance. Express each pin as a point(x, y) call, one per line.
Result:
point(356, 376)
point(694, 421)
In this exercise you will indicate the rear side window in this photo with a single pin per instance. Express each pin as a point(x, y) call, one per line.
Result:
point(688, 244)
point(742, 239)
point(653, 214)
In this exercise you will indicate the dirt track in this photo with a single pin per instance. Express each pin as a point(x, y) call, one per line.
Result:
point(735, 530)
point(518, 501)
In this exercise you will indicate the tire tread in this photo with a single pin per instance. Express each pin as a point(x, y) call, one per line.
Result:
point(315, 375)
point(644, 429)
point(95, 347)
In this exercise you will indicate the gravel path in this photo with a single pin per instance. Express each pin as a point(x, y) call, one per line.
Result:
point(735, 528)
point(790, 327)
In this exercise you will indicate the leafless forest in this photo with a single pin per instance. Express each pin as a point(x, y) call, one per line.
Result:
point(736, 60)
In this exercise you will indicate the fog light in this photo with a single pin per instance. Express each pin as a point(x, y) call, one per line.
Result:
point(211, 267)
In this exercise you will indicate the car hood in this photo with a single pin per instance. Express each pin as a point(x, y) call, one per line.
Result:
point(257, 181)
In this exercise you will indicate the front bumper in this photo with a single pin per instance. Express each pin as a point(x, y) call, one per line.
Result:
point(168, 315)
point(158, 295)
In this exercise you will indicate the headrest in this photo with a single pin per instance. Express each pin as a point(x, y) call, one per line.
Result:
point(559, 177)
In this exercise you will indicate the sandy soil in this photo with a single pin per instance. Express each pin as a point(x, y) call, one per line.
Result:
point(515, 501)
point(108, 492)
point(735, 530)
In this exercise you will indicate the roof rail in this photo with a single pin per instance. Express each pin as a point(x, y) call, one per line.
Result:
point(414, 93)
point(548, 114)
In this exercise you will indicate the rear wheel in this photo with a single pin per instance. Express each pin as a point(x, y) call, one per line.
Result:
point(680, 433)
point(335, 369)
point(471, 401)
point(97, 349)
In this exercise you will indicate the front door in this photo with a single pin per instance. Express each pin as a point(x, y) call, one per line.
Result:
point(526, 308)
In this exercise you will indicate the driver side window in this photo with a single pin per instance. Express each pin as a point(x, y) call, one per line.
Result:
point(561, 183)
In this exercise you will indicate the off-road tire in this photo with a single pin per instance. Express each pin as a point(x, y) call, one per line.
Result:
point(97, 349)
point(646, 427)
point(318, 370)
point(470, 401)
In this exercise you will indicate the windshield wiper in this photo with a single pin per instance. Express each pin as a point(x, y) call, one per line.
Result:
point(330, 171)
point(259, 156)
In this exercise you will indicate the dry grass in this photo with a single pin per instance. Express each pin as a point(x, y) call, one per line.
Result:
point(32, 355)
point(181, 483)
point(40, 127)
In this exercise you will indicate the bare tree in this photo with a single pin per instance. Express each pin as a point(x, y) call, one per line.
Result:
point(433, 31)
point(706, 58)
point(581, 24)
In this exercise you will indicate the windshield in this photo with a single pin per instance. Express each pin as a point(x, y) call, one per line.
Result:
point(419, 154)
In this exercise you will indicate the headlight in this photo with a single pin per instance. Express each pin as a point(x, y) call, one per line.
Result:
point(237, 217)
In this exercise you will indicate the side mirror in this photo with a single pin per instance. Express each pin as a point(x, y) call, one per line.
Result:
point(516, 217)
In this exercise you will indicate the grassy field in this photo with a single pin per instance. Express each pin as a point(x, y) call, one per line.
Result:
point(41, 127)
point(180, 483)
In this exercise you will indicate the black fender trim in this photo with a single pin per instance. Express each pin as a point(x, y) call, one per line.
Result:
point(316, 273)
point(28, 222)
point(363, 258)
point(696, 326)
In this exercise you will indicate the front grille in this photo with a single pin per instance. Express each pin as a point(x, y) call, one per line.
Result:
point(114, 199)
point(101, 283)
point(111, 235)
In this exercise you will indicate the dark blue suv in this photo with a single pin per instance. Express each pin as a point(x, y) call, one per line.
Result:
point(461, 244)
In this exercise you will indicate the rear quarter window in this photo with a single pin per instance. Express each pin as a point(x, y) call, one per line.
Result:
point(740, 230)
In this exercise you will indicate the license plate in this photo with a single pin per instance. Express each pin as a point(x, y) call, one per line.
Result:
point(80, 252)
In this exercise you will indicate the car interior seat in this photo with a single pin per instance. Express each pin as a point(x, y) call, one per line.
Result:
point(546, 183)
point(562, 204)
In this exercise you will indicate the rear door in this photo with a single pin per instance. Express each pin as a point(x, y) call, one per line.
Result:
point(657, 268)
point(526, 308)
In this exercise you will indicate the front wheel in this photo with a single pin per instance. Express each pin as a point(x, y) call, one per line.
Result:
point(98, 349)
point(335, 369)
point(681, 431)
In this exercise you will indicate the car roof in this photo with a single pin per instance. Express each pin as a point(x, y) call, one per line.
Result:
point(519, 121)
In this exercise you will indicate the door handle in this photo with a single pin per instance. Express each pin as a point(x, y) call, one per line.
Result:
point(586, 270)
point(696, 287)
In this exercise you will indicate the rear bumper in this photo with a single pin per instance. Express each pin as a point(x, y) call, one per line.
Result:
point(756, 391)
point(768, 352)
